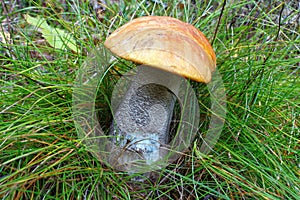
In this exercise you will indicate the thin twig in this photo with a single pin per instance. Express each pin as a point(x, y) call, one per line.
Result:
point(218, 24)
point(279, 22)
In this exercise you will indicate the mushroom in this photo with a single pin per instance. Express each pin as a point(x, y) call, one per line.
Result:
point(167, 49)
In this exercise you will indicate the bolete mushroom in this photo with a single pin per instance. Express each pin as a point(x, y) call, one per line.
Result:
point(168, 49)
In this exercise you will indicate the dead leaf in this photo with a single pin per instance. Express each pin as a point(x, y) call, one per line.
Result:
point(57, 38)
point(4, 36)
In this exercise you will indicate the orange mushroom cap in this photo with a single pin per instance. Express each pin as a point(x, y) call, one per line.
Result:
point(165, 43)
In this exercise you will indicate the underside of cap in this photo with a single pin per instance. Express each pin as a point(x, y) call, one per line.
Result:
point(165, 43)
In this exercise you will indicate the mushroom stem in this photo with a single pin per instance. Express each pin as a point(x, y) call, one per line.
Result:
point(142, 118)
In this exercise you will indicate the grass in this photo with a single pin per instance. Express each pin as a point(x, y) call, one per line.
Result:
point(256, 157)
